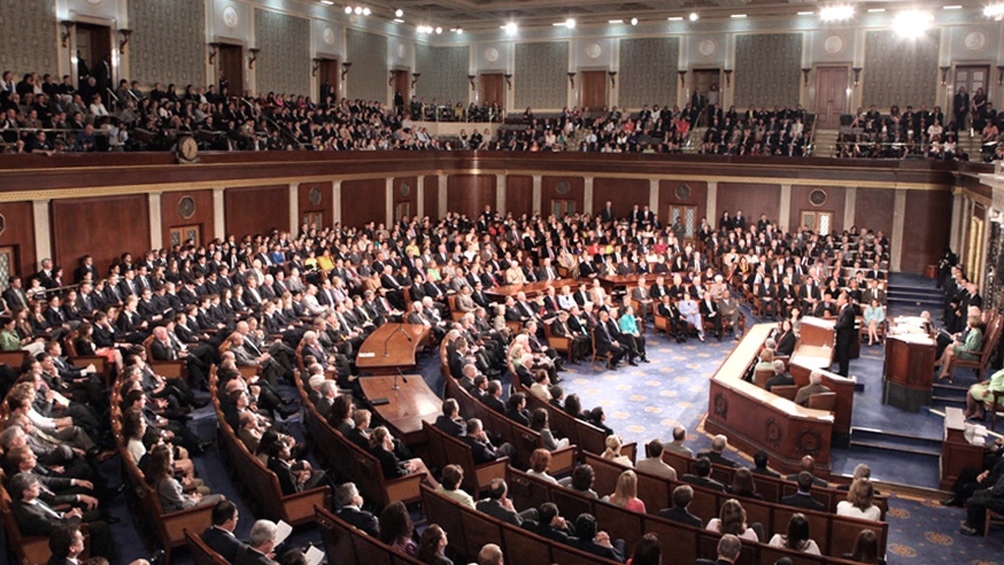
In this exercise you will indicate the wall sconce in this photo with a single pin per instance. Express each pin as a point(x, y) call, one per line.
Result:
point(857, 75)
point(125, 33)
point(508, 80)
point(414, 79)
point(1000, 76)
point(254, 56)
point(68, 26)
point(571, 79)
point(728, 78)
point(345, 69)
point(316, 67)
point(613, 78)
point(683, 78)
point(214, 48)
point(944, 75)
point(805, 75)
point(470, 79)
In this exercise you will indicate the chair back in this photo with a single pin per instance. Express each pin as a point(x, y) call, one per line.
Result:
point(823, 401)
point(787, 391)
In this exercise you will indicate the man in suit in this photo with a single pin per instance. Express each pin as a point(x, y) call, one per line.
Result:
point(781, 377)
point(15, 295)
point(482, 449)
point(717, 452)
point(803, 498)
point(729, 548)
point(710, 312)
point(493, 397)
point(499, 506)
point(677, 445)
point(760, 459)
point(220, 536)
point(845, 333)
point(261, 545)
point(606, 341)
point(815, 386)
point(808, 465)
point(607, 214)
point(598, 543)
point(641, 295)
point(450, 421)
point(653, 463)
point(351, 509)
point(552, 525)
point(702, 468)
point(682, 495)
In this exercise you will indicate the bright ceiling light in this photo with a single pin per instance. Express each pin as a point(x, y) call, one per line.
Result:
point(439, 30)
point(615, 21)
point(348, 9)
point(399, 13)
point(634, 21)
point(912, 23)
point(838, 13)
point(875, 10)
point(995, 11)
point(570, 23)
point(808, 13)
point(367, 11)
point(359, 10)
point(460, 31)
point(327, 2)
point(511, 28)
point(694, 16)
point(675, 18)
point(398, 21)
point(955, 7)
point(738, 16)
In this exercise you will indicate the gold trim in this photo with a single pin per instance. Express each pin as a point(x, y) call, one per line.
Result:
point(974, 196)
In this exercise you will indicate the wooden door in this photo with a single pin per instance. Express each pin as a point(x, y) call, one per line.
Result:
point(831, 96)
point(402, 84)
point(328, 77)
point(704, 78)
point(593, 89)
point(972, 77)
point(687, 216)
point(492, 89)
point(184, 235)
point(231, 64)
point(94, 49)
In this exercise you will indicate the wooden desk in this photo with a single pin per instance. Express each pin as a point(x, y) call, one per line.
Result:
point(843, 409)
point(817, 331)
point(402, 342)
point(532, 290)
point(956, 452)
point(908, 376)
point(611, 283)
point(411, 403)
point(755, 419)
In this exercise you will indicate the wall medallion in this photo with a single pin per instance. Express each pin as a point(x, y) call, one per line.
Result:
point(833, 44)
point(563, 187)
point(186, 207)
point(683, 192)
point(329, 36)
point(772, 431)
point(721, 406)
point(230, 18)
point(314, 196)
point(707, 47)
point(594, 50)
point(975, 40)
point(817, 197)
point(491, 54)
point(405, 188)
point(809, 442)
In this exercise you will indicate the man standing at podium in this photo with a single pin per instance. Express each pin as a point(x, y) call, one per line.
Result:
point(845, 333)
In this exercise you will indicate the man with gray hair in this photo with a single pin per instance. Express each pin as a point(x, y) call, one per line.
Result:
point(329, 390)
point(261, 546)
point(351, 509)
point(717, 452)
point(815, 386)
point(490, 554)
point(729, 548)
point(780, 378)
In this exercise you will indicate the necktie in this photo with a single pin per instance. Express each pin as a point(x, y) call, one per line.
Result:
point(48, 510)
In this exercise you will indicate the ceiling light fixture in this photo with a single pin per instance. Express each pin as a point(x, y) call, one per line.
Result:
point(875, 10)
point(995, 11)
point(738, 16)
point(912, 23)
point(511, 28)
point(694, 16)
point(570, 23)
point(399, 13)
point(398, 21)
point(348, 9)
point(836, 13)
point(808, 13)
point(955, 7)
point(327, 2)
point(615, 21)
point(634, 21)
point(675, 18)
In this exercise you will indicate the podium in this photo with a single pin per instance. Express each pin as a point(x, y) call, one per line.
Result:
point(909, 371)
point(956, 453)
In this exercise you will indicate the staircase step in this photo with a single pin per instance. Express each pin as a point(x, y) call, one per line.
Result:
point(895, 439)
point(949, 399)
point(892, 447)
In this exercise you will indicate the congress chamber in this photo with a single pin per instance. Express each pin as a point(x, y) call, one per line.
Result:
point(302, 282)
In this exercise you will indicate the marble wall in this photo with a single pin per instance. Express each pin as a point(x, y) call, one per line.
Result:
point(367, 52)
point(541, 76)
point(283, 65)
point(648, 71)
point(444, 73)
point(168, 42)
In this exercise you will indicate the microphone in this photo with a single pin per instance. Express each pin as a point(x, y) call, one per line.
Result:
point(400, 374)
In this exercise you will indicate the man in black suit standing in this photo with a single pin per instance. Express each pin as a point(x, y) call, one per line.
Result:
point(803, 498)
point(845, 333)
point(607, 214)
point(351, 503)
point(682, 495)
point(220, 536)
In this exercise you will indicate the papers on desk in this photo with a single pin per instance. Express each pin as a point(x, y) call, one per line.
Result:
point(366, 355)
point(282, 531)
point(314, 556)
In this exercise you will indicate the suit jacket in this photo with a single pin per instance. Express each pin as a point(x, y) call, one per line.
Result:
point(33, 521)
point(803, 394)
point(361, 519)
point(250, 556)
point(481, 451)
point(451, 427)
point(283, 470)
point(495, 404)
point(704, 482)
point(223, 542)
point(495, 509)
point(590, 546)
point(681, 515)
point(803, 501)
point(845, 326)
point(717, 458)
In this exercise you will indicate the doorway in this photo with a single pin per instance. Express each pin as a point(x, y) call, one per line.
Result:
point(703, 79)
point(492, 90)
point(831, 96)
point(593, 90)
point(328, 76)
point(231, 65)
point(94, 59)
point(402, 84)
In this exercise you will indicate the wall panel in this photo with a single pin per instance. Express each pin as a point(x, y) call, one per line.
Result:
point(648, 71)
point(925, 229)
point(873, 209)
point(835, 196)
point(430, 192)
point(29, 37)
point(752, 199)
point(307, 198)
point(469, 194)
point(169, 42)
point(911, 77)
point(364, 201)
point(698, 197)
point(283, 65)
point(562, 188)
point(519, 195)
point(368, 54)
point(101, 227)
point(622, 193)
point(444, 73)
point(202, 216)
point(406, 191)
point(541, 80)
point(768, 69)
point(19, 232)
point(256, 210)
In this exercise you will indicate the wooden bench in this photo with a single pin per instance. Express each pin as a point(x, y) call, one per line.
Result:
point(101, 365)
point(444, 450)
point(202, 554)
point(344, 543)
point(21, 549)
point(164, 368)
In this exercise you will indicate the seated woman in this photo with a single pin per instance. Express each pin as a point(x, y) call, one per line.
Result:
point(634, 340)
point(613, 451)
point(396, 529)
point(432, 545)
point(732, 520)
point(866, 549)
point(874, 315)
point(382, 447)
point(859, 502)
point(785, 339)
point(983, 392)
point(160, 475)
point(541, 385)
point(797, 538)
point(540, 460)
point(743, 485)
point(626, 493)
point(968, 350)
point(766, 362)
point(539, 422)
point(453, 476)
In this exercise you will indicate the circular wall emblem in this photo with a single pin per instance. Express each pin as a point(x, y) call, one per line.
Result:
point(329, 36)
point(834, 44)
point(491, 54)
point(707, 47)
point(772, 432)
point(186, 207)
point(230, 17)
point(405, 188)
point(315, 196)
point(683, 192)
point(809, 442)
point(401, 51)
point(563, 187)
point(594, 50)
point(817, 197)
point(721, 406)
point(975, 40)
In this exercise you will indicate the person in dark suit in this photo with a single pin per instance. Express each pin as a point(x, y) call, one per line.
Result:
point(606, 342)
point(551, 525)
point(493, 398)
point(682, 495)
point(449, 421)
point(293, 477)
point(760, 460)
point(261, 545)
point(607, 214)
point(598, 543)
point(220, 536)
point(845, 333)
point(780, 378)
point(498, 505)
point(808, 465)
point(482, 449)
point(717, 452)
point(351, 504)
point(702, 468)
point(803, 498)
point(729, 548)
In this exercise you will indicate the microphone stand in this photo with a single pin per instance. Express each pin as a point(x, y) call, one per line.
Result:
point(403, 378)
point(397, 329)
